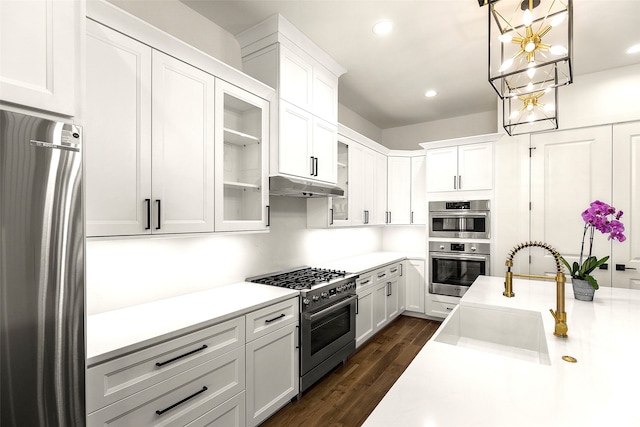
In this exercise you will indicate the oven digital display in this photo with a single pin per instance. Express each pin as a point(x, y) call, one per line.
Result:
point(458, 247)
point(458, 205)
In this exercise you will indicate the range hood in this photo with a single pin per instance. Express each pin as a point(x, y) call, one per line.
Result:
point(297, 187)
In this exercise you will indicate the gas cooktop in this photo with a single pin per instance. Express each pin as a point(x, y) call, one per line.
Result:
point(301, 278)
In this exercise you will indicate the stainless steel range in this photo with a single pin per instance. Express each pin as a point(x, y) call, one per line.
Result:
point(327, 317)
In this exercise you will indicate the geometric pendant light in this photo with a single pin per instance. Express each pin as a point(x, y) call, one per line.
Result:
point(532, 112)
point(530, 45)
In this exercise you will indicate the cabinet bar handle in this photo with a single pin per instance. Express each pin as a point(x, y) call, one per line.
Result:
point(389, 217)
point(401, 269)
point(148, 203)
point(411, 220)
point(331, 216)
point(311, 166)
point(459, 182)
point(159, 215)
point(181, 356)
point(357, 305)
point(297, 336)
point(388, 289)
point(275, 318)
point(162, 411)
point(454, 183)
point(316, 165)
point(268, 215)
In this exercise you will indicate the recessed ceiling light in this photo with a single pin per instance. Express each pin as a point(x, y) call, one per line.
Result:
point(383, 27)
point(634, 49)
point(430, 93)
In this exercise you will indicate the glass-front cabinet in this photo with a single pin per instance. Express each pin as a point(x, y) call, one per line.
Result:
point(340, 205)
point(242, 132)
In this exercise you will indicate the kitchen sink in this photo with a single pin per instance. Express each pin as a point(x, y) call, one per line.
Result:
point(511, 333)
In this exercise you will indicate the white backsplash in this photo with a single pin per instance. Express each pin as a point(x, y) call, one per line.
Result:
point(130, 271)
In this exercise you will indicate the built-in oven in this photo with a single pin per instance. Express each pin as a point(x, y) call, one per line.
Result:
point(469, 219)
point(454, 266)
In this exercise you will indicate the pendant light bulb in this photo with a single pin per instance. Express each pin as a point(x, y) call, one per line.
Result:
point(527, 18)
point(530, 47)
point(531, 72)
point(505, 38)
point(506, 65)
point(559, 19)
point(530, 107)
point(558, 50)
point(530, 87)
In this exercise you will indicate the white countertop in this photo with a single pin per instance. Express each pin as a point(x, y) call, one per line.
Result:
point(114, 333)
point(453, 386)
point(361, 263)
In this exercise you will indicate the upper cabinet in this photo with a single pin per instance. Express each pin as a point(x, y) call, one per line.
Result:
point(242, 127)
point(464, 164)
point(39, 41)
point(157, 126)
point(306, 79)
point(406, 198)
point(362, 174)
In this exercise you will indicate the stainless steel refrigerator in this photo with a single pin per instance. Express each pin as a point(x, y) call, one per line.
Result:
point(42, 341)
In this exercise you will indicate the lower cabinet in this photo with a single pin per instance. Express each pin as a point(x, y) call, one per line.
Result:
point(381, 297)
point(415, 285)
point(272, 373)
point(235, 373)
point(440, 305)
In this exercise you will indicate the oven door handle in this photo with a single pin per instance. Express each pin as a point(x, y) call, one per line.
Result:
point(333, 307)
point(460, 258)
point(457, 214)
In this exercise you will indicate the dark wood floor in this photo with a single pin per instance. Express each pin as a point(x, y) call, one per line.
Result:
point(346, 396)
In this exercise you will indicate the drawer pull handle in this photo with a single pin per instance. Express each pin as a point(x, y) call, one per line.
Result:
point(182, 355)
point(275, 318)
point(364, 282)
point(394, 270)
point(162, 411)
point(381, 275)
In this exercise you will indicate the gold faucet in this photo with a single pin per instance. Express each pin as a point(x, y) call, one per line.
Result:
point(559, 315)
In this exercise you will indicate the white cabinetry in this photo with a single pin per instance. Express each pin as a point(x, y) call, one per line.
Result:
point(158, 178)
point(306, 80)
point(39, 41)
point(153, 172)
point(182, 129)
point(272, 359)
point(381, 296)
point(463, 167)
point(118, 158)
point(406, 198)
point(415, 285)
point(440, 305)
point(242, 128)
point(172, 383)
point(362, 175)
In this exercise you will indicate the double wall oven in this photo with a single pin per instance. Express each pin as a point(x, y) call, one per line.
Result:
point(327, 317)
point(459, 248)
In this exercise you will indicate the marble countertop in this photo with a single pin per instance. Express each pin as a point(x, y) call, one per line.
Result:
point(453, 386)
point(114, 333)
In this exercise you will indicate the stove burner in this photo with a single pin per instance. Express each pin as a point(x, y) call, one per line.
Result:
point(303, 278)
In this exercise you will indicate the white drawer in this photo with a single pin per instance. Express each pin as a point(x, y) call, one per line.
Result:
point(381, 274)
point(230, 414)
point(365, 280)
point(441, 308)
point(394, 270)
point(265, 320)
point(118, 378)
point(181, 399)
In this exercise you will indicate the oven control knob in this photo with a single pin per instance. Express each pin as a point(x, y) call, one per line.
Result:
point(306, 301)
point(324, 295)
point(339, 289)
point(473, 248)
point(441, 246)
point(316, 298)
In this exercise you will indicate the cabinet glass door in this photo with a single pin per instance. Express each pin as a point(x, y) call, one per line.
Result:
point(242, 190)
point(340, 205)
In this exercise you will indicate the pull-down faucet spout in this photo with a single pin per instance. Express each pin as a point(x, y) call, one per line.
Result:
point(559, 315)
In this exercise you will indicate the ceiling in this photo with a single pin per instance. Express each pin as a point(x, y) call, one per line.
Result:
point(435, 44)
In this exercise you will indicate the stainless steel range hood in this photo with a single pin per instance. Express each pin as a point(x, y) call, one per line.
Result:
point(297, 187)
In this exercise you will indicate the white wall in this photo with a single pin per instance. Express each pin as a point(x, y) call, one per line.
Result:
point(354, 121)
point(408, 137)
point(125, 272)
point(189, 26)
point(410, 239)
